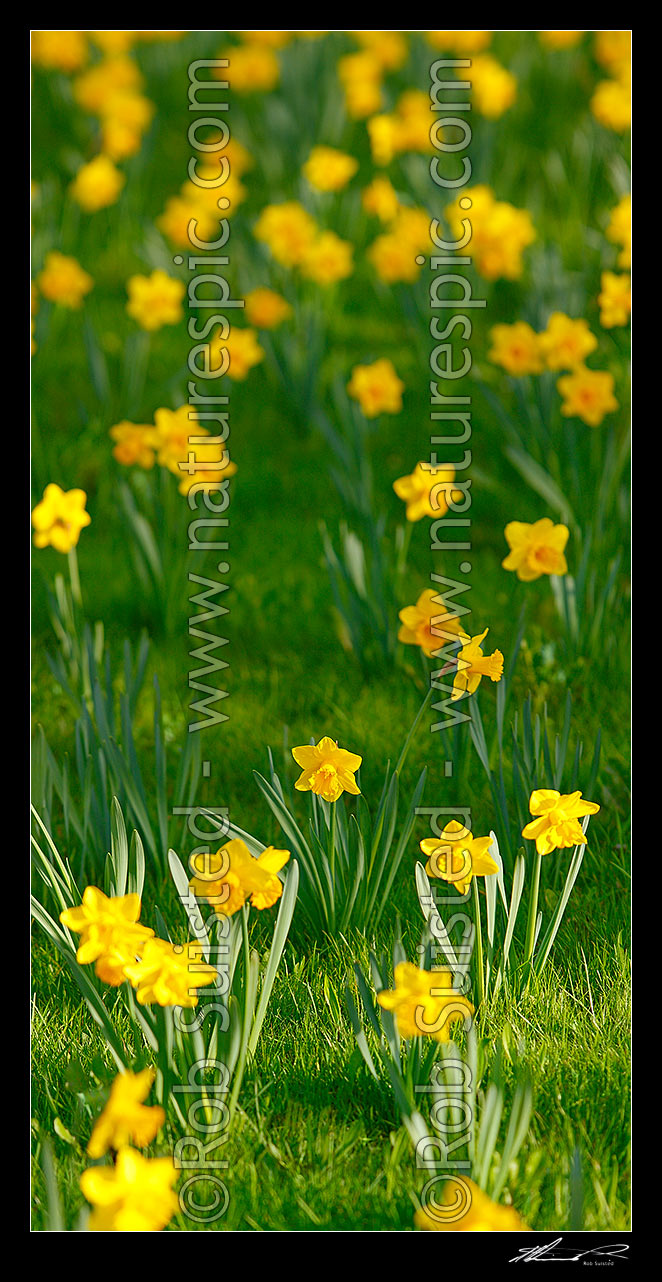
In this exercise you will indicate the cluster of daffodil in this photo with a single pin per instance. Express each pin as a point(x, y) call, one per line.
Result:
point(158, 979)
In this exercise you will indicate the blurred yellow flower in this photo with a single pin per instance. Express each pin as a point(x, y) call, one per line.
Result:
point(494, 89)
point(266, 309)
point(473, 665)
point(536, 549)
point(560, 39)
point(388, 48)
point(457, 856)
point(377, 388)
point(516, 348)
point(227, 878)
point(428, 624)
point(360, 75)
point(425, 491)
point(588, 394)
point(243, 352)
point(412, 228)
point(481, 1214)
point(125, 1117)
point(253, 68)
point(499, 232)
point(60, 50)
point(394, 259)
point(136, 443)
point(96, 87)
point(328, 259)
point(383, 132)
point(97, 184)
point(619, 230)
point(110, 934)
point(177, 215)
point(380, 198)
point(63, 280)
point(59, 518)
point(614, 299)
point(133, 1196)
point(168, 974)
point(565, 343)
point(155, 300)
point(273, 39)
point(459, 41)
point(328, 169)
point(613, 49)
point(288, 230)
point(203, 464)
point(113, 42)
point(611, 105)
point(557, 825)
point(327, 769)
point(424, 1002)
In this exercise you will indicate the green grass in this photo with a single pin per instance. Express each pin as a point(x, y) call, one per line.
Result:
point(317, 1144)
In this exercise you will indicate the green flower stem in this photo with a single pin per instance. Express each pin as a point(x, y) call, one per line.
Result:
point(533, 908)
point(245, 1032)
point(480, 969)
point(332, 845)
point(74, 577)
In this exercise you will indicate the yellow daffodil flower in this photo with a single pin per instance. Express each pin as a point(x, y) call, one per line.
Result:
point(133, 1196)
point(460, 42)
point(565, 343)
point(516, 348)
point(560, 39)
point(393, 259)
point(614, 299)
point(457, 856)
point(63, 280)
point(59, 518)
point(155, 300)
point(328, 169)
point(424, 1002)
point(97, 184)
point(425, 491)
point(473, 665)
point(500, 232)
point(135, 443)
point(175, 430)
point(168, 974)
point(428, 624)
point(619, 230)
point(377, 388)
point(253, 68)
point(228, 878)
point(480, 1215)
point(125, 1118)
point(327, 769)
point(288, 229)
point(110, 934)
point(536, 549)
point(557, 819)
point(328, 259)
point(243, 352)
point(380, 198)
point(494, 89)
point(265, 309)
point(587, 394)
point(65, 51)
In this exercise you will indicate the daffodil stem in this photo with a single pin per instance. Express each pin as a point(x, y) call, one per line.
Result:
point(480, 972)
point(332, 843)
point(533, 908)
point(245, 1032)
point(74, 577)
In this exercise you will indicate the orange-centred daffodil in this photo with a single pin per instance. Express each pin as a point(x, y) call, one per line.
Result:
point(556, 824)
point(426, 491)
point(536, 549)
point(327, 769)
point(457, 856)
point(110, 934)
point(168, 974)
point(429, 624)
